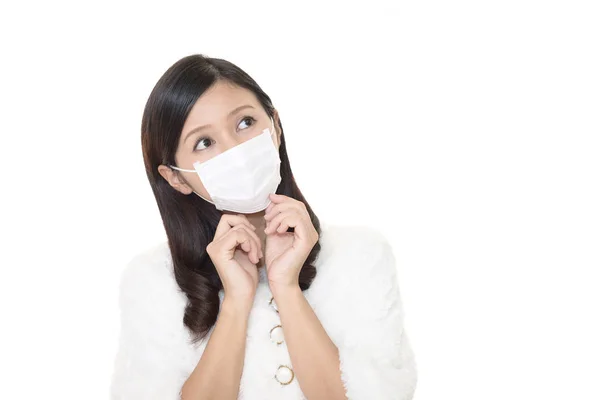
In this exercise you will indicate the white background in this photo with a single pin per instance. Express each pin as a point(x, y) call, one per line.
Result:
point(468, 132)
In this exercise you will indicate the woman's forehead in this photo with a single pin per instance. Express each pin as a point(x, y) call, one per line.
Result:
point(219, 103)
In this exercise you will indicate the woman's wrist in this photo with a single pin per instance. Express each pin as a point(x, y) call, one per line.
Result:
point(284, 291)
point(238, 307)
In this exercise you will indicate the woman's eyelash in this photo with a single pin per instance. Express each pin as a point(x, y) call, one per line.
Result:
point(208, 138)
point(200, 141)
point(248, 117)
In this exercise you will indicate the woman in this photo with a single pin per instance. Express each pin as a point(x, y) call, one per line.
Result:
point(250, 297)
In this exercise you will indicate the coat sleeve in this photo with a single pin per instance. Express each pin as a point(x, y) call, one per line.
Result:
point(151, 360)
point(376, 357)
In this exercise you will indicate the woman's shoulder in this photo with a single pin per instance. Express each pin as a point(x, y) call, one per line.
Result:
point(150, 266)
point(148, 281)
point(352, 234)
point(353, 245)
point(350, 255)
point(154, 258)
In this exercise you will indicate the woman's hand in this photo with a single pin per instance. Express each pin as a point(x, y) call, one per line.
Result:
point(235, 251)
point(286, 252)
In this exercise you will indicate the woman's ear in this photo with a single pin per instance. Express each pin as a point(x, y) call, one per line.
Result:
point(276, 123)
point(174, 179)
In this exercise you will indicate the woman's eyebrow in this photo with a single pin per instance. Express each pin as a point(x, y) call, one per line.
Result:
point(199, 128)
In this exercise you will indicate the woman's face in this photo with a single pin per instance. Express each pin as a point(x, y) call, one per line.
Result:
point(223, 117)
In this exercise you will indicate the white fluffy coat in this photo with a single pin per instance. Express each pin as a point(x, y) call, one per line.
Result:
point(355, 295)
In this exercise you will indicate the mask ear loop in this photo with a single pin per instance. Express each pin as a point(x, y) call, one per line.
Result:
point(192, 170)
point(204, 198)
point(181, 169)
point(273, 131)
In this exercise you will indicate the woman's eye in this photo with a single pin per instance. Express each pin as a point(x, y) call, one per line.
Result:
point(206, 141)
point(246, 119)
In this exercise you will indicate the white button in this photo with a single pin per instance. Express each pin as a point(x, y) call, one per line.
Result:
point(277, 334)
point(273, 304)
point(284, 375)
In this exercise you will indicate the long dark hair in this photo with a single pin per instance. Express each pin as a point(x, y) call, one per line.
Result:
point(190, 222)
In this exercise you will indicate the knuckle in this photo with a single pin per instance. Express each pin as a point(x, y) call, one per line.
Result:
point(210, 247)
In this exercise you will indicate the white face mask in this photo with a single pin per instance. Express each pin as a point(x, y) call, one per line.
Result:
point(240, 179)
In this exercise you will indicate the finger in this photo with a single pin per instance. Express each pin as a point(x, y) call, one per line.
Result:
point(255, 252)
point(256, 244)
point(273, 225)
point(279, 198)
point(239, 237)
point(269, 207)
point(247, 244)
point(269, 214)
point(273, 204)
point(228, 221)
point(291, 219)
point(224, 244)
point(278, 208)
point(285, 223)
